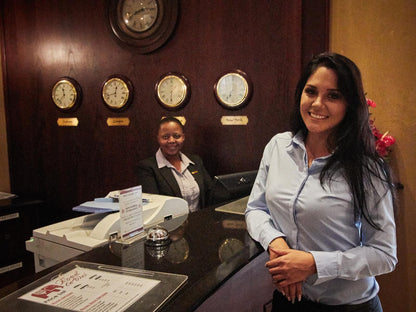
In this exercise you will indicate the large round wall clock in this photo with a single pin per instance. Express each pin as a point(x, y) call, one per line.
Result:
point(145, 25)
point(233, 89)
point(173, 91)
point(117, 92)
point(66, 94)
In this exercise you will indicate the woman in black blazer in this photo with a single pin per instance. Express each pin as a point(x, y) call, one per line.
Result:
point(172, 173)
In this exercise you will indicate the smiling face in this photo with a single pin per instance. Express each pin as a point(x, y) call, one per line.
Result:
point(170, 137)
point(322, 105)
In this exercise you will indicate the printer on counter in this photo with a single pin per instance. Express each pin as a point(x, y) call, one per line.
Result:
point(63, 240)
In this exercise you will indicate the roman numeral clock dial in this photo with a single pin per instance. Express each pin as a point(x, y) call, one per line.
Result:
point(117, 92)
point(173, 91)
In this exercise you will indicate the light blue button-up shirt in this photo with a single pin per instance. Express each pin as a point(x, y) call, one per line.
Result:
point(287, 200)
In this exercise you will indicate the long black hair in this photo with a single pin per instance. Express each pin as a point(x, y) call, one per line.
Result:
point(352, 142)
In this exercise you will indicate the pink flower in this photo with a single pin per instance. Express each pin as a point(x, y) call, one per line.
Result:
point(381, 149)
point(388, 140)
point(371, 103)
point(383, 141)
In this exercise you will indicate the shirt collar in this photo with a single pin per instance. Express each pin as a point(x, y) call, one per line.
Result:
point(297, 141)
point(163, 162)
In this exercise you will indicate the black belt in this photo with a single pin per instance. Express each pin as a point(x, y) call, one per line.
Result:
point(281, 304)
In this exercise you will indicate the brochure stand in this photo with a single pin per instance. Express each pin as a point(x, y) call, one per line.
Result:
point(86, 286)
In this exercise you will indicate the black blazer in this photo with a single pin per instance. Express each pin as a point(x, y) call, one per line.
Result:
point(161, 181)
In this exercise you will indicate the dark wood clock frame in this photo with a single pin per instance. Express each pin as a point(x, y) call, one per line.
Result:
point(185, 100)
point(151, 39)
point(78, 100)
point(249, 91)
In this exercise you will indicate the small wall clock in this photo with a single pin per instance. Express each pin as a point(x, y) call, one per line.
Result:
point(117, 92)
point(66, 94)
point(173, 91)
point(233, 89)
point(145, 25)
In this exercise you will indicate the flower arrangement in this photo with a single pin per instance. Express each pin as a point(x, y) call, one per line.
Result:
point(383, 141)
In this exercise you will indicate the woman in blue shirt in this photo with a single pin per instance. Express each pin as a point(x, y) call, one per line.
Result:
point(322, 203)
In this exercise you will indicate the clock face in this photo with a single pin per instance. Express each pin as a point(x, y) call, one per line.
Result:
point(172, 91)
point(65, 94)
point(144, 25)
point(116, 92)
point(233, 89)
point(139, 16)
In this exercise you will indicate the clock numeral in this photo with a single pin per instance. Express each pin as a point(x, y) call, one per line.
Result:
point(117, 92)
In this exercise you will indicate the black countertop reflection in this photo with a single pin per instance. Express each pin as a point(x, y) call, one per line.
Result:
point(209, 247)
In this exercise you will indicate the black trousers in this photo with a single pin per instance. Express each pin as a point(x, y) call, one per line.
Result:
point(281, 304)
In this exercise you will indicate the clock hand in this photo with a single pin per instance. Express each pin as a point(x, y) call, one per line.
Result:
point(171, 93)
point(137, 12)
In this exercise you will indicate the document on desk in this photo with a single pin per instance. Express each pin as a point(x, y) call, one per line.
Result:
point(85, 289)
point(90, 287)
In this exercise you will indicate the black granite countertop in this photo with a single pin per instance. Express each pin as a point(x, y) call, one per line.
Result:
point(209, 247)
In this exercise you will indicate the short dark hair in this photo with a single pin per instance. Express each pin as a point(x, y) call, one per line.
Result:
point(170, 119)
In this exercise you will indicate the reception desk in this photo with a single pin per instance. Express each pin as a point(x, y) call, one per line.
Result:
point(224, 266)
point(18, 217)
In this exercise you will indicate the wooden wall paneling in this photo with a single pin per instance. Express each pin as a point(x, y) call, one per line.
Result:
point(315, 28)
point(45, 40)
point(254, 39)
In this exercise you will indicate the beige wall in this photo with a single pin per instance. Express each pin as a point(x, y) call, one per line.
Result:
point(4, 162)
point(378, 35)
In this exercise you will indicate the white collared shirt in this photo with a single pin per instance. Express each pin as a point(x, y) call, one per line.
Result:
point(187, 184)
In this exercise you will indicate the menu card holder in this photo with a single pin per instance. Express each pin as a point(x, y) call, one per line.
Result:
point(87, 286)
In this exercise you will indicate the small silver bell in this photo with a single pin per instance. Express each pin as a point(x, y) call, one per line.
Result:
point(157, 236)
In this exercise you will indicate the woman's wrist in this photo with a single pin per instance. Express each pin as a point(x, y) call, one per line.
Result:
point(278, 243)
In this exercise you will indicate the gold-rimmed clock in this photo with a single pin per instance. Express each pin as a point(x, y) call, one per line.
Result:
point(173, 91)
point(144, 25)
point(233, 89)
point(117, 92)
point(66, 94)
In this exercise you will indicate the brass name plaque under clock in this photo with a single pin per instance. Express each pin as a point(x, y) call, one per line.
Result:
point(234, 120)
point(118, 121)
point(67, 122)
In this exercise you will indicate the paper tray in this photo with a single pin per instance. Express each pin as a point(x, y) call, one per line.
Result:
point(165, 285)
point(236, 207)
